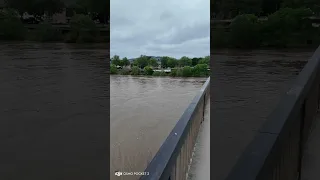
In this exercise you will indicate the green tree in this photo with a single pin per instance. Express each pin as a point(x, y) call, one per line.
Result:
point(200, 70)
point(115, 60)
point(20, 6)
point(113, 69)
point(173, 72)
point(36, 7)
point(172, 62)
point(187, 71)
point(135, 63)
point(195, 61)
point(164, 61)
point(179, 72)
point(244, 31)
point(148, 70)
point(125, 61)
point(135, 70)
point(75, 8)
point(205, 60)
point(83, 29)
point(280, 27)
point(98, 8)
point(153, 62)
point(185, 61)
point(142, 61)
point(11, 28)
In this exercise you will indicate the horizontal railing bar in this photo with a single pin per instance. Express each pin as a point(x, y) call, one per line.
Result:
point(161, 165)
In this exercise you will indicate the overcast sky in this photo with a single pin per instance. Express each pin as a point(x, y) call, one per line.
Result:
point(173, 28)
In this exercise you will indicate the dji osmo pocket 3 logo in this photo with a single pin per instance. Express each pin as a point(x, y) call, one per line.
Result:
point(118, 173)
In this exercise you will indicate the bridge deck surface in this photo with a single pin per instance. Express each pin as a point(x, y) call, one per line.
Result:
point(311, 157)
point(200, 166)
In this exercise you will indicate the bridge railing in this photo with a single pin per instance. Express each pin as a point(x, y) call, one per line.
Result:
point(173, 159)
point(277, 150)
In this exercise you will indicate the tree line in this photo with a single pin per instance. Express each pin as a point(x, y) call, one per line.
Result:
point(228, 9)
point(82, 25)
point(287, 27)
point(143, 65)
point(97, 9)
point(166, 61)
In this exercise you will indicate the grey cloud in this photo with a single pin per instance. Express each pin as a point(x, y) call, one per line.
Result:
point(187, 33)
point(152, 27)
point(166, 15)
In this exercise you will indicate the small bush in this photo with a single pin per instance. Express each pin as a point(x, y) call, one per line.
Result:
point(156, 73)
point(135, 70)
point(200, 70)
point(113, 69)
point(148, 70)
point(125, 71)
point(179, 72)
point(173, 72)
point(187, 71)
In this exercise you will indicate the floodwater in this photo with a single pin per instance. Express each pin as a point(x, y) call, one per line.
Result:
point(53, 109)
point(246, 86)
point(143, 112)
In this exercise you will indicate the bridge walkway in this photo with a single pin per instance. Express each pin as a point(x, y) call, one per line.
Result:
point(200, 166)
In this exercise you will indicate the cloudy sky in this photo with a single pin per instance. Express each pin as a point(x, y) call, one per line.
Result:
point(173, 28)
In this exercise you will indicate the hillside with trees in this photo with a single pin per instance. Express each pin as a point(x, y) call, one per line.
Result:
point(285, 24)
point(82, 16)
point(229, 9)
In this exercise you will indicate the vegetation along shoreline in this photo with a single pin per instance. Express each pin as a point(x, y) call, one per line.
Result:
point(161, 66)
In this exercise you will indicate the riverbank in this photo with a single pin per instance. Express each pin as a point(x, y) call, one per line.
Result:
point(146, 76)
point(200, 70)
point(159, 75)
